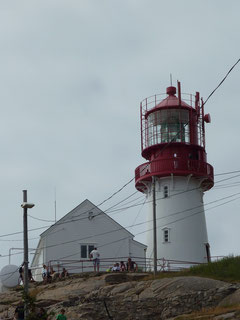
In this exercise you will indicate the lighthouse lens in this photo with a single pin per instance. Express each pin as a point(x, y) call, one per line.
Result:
point(168, 125)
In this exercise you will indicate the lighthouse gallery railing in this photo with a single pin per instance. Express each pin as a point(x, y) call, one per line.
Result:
point(175, 166)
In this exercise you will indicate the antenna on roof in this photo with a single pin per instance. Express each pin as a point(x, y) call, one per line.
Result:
point(171, 79)
point(55, 205)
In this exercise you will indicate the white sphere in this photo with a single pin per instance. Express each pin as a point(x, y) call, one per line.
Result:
point(9, 276)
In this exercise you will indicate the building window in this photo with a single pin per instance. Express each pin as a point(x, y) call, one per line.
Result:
point(90, 249)
point(166, 235)
point(165, 191)
point(85, 250)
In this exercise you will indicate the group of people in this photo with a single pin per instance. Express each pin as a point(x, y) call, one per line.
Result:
point(49, 274)
point(41, 314)
point(130, 266)
point(21, 275)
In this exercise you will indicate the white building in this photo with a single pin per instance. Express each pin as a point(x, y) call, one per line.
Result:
point(69, 241)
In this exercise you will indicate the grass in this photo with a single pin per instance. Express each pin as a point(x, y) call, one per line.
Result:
point(226, 269)
point(210, 313)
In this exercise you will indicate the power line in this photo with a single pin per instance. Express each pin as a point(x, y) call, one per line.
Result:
point(119, 190)
point(221, 82)
point(141, 223)
point(224, 173)
point(172, 140)
point(18, 240)
point(138, 204)
point(142, 232)
point(19, 232)
point(113, 211)
point(40, 219)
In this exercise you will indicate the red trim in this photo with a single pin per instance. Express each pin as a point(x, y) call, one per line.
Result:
point(177, 158)
point(175, 166)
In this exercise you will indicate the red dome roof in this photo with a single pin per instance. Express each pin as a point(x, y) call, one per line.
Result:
point(171, 100)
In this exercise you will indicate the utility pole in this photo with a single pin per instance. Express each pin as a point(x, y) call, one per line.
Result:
point(25, 245)
point(154, 226)
point(25, 205)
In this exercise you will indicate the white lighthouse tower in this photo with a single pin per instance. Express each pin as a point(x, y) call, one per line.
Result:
point(173, 143)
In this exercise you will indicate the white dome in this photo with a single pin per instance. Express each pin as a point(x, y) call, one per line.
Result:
point(9, 276)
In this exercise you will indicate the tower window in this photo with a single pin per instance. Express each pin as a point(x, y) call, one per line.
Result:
point(166, 235)
point(165, 192)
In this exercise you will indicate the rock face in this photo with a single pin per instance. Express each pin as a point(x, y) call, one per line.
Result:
point(126, 296)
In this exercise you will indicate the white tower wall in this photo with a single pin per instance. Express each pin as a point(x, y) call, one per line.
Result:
point(181, 224)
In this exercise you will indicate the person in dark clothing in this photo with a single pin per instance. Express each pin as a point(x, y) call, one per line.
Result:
point(64, 274)
point(30, 277)
point(122, 266)
point(42, 314)
point(21, 272)
point(131, 266)
point(19, 312)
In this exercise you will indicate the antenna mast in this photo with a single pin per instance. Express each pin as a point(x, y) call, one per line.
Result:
point(55, 205)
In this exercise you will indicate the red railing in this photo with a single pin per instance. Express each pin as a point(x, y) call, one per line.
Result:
point(152, 101)
point(175, 166)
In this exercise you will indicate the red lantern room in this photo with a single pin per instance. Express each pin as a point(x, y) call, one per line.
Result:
point(173, 138)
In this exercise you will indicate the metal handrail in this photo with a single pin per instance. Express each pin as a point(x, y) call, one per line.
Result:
point(173, 165)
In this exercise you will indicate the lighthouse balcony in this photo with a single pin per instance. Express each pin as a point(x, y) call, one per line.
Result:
point(176, 167)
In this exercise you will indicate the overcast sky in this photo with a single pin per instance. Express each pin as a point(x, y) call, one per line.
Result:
point(72, 75)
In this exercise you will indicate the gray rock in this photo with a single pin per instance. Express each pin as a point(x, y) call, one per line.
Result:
point(231, 299)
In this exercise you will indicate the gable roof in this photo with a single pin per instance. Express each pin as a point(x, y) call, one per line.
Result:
point(69, 217)
point(139, 243)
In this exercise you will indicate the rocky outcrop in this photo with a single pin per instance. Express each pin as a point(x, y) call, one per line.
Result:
point(231, 300)
point(128, 296)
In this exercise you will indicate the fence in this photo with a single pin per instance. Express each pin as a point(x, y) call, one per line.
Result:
point(143, 265)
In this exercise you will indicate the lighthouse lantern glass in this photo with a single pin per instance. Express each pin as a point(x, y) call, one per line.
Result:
point(168, 125)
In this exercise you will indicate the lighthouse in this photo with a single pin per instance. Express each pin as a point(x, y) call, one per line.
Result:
point(175, 176)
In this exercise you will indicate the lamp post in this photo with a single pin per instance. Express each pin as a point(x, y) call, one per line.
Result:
point(25, 205)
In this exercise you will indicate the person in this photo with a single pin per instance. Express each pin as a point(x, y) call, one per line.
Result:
point(30, 277)
point(21, 272)
point(131, 265)
point(42, 314)
point(19, 312)
point(122, 266)
point(116, 267)
point(61, 315)
point(63, 274)
point(53, 274)
point(46, 274)
point(94, 255)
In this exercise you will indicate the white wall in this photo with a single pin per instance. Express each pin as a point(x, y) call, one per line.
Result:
point(184, 215)
point(111, 240)
point(38, 261)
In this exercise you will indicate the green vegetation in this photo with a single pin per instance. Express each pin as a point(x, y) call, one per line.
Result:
point(211, 314)
point(226, 269)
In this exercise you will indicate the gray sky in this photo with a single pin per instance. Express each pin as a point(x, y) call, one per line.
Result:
point(72, 74)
